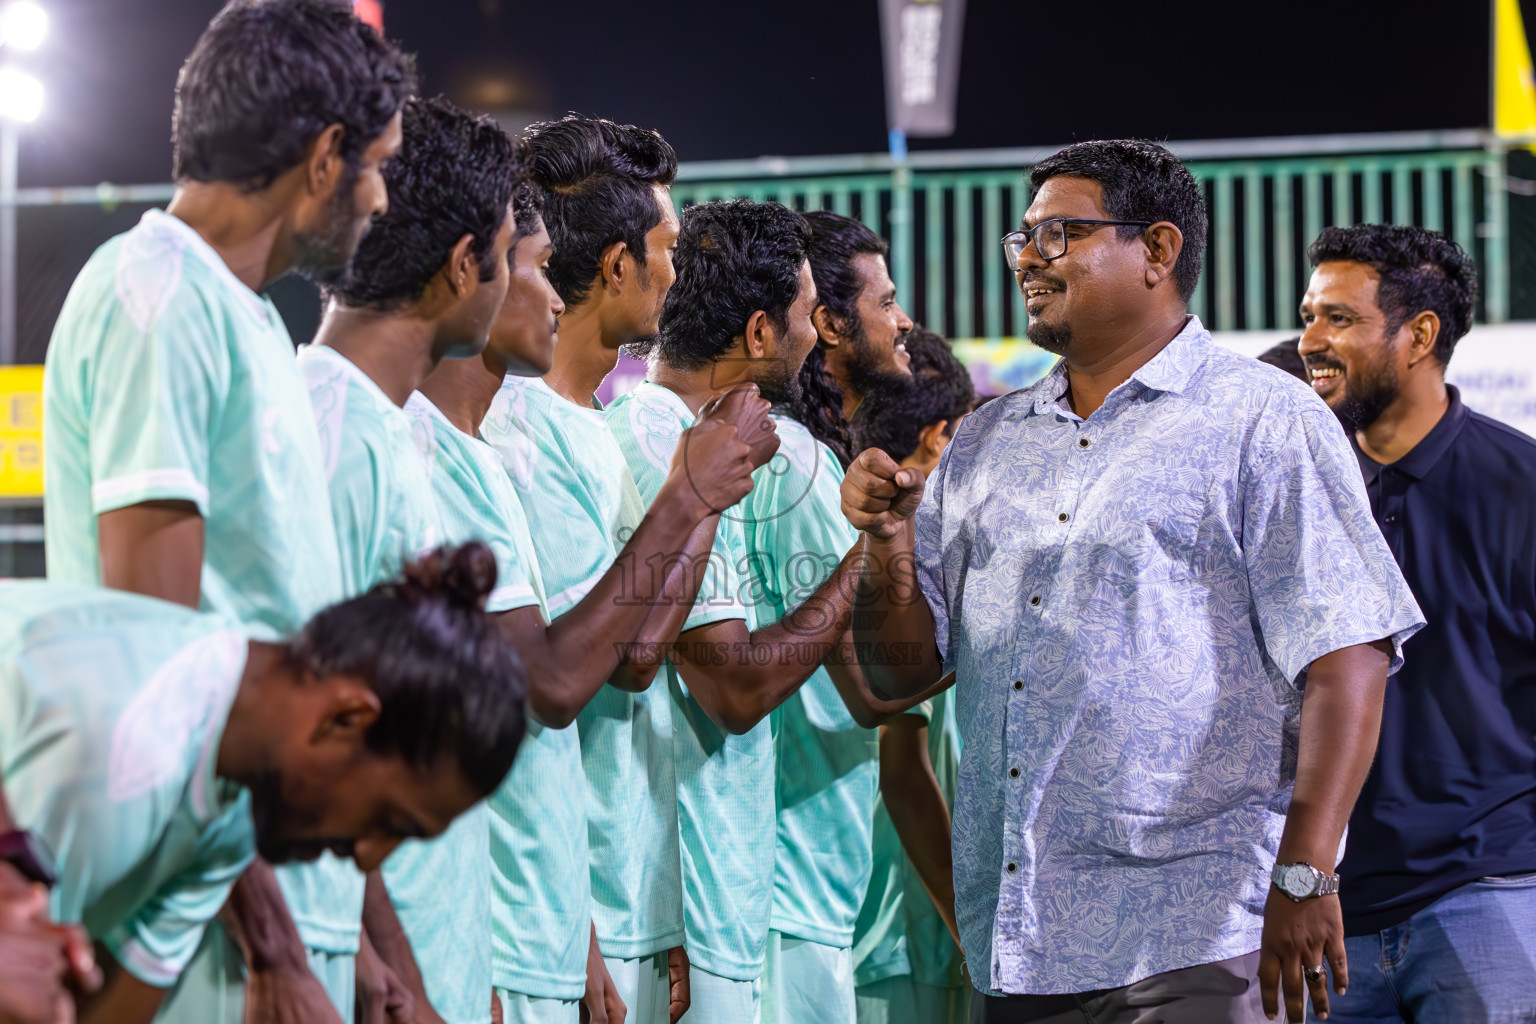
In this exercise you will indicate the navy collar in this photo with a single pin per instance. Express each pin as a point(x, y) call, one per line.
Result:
point(1424, 456)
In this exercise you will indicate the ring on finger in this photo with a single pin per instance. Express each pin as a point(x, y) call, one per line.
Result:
point(1316, 975)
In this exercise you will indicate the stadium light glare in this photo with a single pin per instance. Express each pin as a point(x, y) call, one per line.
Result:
point(23, 25)
point(21, 95)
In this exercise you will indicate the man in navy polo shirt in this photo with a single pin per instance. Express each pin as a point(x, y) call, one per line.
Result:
point(1438, 884)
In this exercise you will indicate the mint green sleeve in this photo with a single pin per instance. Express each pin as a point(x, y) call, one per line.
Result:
point(159, 390)
point(159, 940)
point(723, 589)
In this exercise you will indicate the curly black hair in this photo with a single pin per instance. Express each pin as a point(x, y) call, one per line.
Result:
point(1140, 181)
point(941, 389)
point(455, 176)
point(733, 259)
point(527, 211)
point(449, 682)
point(599, 181)
point(268, 76)
point(1419, 269)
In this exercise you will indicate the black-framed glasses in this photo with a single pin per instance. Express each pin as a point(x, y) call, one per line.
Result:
point(1050, 236)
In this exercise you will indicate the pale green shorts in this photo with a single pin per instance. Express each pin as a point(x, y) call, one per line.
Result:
point(717, 1000)
point(645, 986)
point(212, 988)
point(807, 981)
point(900, 1000)
point(517, 1008)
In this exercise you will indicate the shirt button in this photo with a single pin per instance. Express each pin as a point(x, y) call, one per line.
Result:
point(1034, 601)
point(1063, 518)
point(1012, 867)
point(1082, 442)
point(1013, 773)
point(1391, 519)
point(1018, 684)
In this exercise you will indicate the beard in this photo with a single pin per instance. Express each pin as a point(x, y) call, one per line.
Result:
point(272, 819)
point(325, 257)
point(778, 386)
point(1367, 396)
point(1055, 340)
point(874, 371)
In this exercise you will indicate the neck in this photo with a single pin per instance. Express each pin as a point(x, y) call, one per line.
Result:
point(397, 351)
point(257, 714)
point(463, 389)
point(1091, 379)
point(585, 356)
point(248, 231)
point(852, 399)
point(1407, 421)
point(695, 387)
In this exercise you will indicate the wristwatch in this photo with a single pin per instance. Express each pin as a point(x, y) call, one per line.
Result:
point(1302, 881)
point(28, 854)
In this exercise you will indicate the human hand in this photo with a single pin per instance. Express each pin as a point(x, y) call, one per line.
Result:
point(878, 495)
point(382, 998)
point(743, 406)
point(1298, 936)
point(287, 994)
point(42, 964)
point(678, 983)
point(601, 1004)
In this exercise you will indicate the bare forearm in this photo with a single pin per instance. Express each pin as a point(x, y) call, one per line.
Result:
point(388, 936)
point(738, 678)
point(894, 629)
point(868, 708)
point(1340, 724)
point(640, 661)
point(258, 921)
point(919, 814)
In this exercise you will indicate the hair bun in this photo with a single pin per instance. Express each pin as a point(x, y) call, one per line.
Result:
point(463, 575)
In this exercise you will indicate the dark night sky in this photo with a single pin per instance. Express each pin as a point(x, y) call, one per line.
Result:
point(727, 78)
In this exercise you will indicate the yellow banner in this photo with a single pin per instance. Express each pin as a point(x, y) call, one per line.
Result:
point(1514, 88)
point(21, 431)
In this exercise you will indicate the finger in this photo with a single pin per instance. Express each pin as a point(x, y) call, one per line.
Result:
point(82, 958)
point(878, 463)
point(1293, 988)
point(1317, 985)
point(1269, 983)
point(1338, 962)
point(867, 503)
point(909, 478)
point(875, 486)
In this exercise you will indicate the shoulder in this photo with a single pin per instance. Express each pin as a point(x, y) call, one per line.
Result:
point(1500, 449)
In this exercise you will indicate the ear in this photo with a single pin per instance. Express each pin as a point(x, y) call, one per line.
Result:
point(462, 270)
point(931, 438)
point(349, 708)
point(1425, 331)
point(324, 164)
point(612, 266)
point(827, 326)
point(1164, 242)
point(758, 336)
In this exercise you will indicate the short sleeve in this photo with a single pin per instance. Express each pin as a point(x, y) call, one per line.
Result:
point(928, 553)
point(721, 584)
point(1321, 576)
point(158, 942)
point(161, 381)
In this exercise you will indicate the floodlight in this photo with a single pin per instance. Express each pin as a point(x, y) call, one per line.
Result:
point(23, 25)
point(21, 95)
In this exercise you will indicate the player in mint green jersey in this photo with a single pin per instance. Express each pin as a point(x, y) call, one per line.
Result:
point(611, 220)
point(424, 284)
point(155, 749)
point(739, 312)
point(543, 966)
point(828, 756)
point(182, 459)
point(907, 961)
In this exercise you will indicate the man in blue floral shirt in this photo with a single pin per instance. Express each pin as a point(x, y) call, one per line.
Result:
point(1171, 617)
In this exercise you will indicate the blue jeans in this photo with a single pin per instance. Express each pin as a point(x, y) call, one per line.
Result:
point(1467, 958)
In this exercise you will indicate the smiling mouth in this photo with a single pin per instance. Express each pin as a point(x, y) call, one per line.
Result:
point(1325, 372)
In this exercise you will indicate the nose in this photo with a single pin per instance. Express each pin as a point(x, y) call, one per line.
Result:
point(1028, 257)
point(368, 854)
point(903, 321)
point(1311, 339)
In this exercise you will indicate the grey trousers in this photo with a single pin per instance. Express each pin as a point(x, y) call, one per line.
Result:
point(1226, 992)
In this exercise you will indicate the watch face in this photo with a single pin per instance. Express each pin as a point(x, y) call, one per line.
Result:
point(1297, 881)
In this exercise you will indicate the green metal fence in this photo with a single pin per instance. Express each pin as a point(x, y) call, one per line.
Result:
point(1267, 199)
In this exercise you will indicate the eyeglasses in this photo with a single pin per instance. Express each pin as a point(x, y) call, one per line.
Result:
point(1050, 237)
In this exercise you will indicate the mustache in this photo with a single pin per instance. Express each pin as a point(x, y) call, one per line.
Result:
point(1321, 362)
point(1033, 277)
